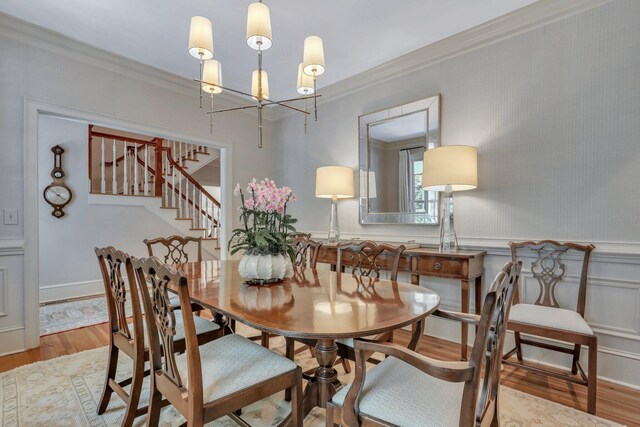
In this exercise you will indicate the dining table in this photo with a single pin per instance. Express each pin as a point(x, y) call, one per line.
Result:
point(316, 306)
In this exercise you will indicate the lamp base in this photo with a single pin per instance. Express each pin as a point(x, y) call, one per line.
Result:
point(334, 229)
point(448, 237)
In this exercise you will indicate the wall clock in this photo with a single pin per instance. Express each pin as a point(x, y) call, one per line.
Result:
point(57, 194)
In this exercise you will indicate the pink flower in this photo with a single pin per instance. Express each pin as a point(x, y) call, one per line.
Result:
point(248, 203)
point(236, 191)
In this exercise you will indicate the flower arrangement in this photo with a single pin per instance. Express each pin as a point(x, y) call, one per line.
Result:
point(267, 227)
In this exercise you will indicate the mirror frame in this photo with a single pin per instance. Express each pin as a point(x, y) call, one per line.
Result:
point(364, 121)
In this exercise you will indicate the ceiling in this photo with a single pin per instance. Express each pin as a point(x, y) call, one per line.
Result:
point(357, 34)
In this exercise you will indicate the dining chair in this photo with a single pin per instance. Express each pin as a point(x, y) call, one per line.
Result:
point(306, 250)
point(410, 389)
point(128, 335)
point(366, 259)
point(212, 380)
point(547, 320)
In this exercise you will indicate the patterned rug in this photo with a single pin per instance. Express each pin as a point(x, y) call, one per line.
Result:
point(64, 392)
point(69, 315)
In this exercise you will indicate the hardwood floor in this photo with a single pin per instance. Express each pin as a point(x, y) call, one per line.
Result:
point(615, 402)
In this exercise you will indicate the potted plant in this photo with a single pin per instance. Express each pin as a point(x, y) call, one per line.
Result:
point(266, 232)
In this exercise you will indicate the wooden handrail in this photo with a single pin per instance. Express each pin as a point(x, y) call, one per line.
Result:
point(122, 138)
point(189, 177)
point(184, 196)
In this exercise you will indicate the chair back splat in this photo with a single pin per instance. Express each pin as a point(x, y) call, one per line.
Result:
point(161, 317)
point(490, 342)
point(367, 258)
point(305, 249)
point(175, 248)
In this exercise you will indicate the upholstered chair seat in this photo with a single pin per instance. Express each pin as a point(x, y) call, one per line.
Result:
point(203, 326)
point(550, 317)
point(402, 395)
point(234, 363)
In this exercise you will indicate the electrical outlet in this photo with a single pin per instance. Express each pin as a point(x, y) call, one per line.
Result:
point(10, 216)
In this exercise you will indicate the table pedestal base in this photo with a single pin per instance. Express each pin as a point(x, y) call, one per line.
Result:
point(324, 383)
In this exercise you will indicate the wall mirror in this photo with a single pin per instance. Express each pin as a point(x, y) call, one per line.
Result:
point(392, 144)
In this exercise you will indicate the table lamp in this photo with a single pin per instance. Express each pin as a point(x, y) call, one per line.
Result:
point(448, 169)
point(334, 182)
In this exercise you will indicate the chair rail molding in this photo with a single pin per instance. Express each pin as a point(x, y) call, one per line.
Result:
point(32, 109)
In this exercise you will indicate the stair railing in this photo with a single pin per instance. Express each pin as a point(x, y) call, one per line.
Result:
point(127, 166)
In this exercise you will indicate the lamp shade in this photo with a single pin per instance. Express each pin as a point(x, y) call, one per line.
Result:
point(305, 82)
point(313, 56)
point(454, 165)
point(334, 182)
point(259, 27)
point(201, 38)
point(260, 85)
point(212, 76)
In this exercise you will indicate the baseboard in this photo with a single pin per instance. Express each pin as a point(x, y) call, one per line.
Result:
point(69, 291)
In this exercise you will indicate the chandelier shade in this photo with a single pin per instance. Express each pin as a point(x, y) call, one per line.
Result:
point(212, 76)
point(201, 38)
point(259, 27)
point(313, 56)
point(305, 82)
point(260, 85)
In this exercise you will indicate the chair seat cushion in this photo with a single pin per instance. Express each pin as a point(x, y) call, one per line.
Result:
point(233, 363)
point(202, 326)
point(557, 318)
point(400, 394)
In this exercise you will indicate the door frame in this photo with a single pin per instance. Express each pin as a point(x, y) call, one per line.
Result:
point(33, 108)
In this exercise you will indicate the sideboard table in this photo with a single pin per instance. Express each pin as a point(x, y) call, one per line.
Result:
point(465, 266)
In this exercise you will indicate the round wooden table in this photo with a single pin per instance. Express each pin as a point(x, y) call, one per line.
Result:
point(314, 304)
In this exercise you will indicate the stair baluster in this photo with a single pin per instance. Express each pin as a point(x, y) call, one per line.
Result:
point(103, 183)
point(125, 184)
point(114, 180)
point(146, 170)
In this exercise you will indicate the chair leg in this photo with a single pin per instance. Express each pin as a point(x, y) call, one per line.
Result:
point(346, 366)
point(112, 366)
point(264, 339)
point(290, 354)
point(518, 346)
point(155, 404)
point(134, 392)
point(576, 359)
point(330, 416)
point(592, 379)
point(297, 413)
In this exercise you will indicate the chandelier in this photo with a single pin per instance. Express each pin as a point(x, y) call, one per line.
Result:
point(258, 38)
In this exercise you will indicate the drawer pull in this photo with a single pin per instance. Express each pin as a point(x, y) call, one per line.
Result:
point(437, 266)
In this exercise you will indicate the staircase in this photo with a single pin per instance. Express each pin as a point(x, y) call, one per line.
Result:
point(156, 174)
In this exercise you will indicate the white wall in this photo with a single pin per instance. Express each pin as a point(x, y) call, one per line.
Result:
point(45, 66)
point(554, 114)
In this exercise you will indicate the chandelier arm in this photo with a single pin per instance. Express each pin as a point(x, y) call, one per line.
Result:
point(299, 98)
point(223, 110)
point(224, 88)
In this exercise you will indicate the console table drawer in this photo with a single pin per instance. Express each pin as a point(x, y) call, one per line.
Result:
point(437, 266)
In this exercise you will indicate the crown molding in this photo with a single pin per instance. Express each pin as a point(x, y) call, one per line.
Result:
point(51, 41)
point(528, 18)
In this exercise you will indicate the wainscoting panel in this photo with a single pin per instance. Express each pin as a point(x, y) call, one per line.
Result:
point(4, 293)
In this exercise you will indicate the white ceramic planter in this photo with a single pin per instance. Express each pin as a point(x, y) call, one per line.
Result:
point(268, 268)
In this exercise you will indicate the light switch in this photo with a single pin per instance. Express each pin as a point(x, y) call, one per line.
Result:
point(10, 216)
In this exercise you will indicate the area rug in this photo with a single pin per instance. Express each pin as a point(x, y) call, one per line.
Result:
point(64, 392)
point(76, 314)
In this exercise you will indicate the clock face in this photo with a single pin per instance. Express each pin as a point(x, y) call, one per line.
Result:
point(57, 195)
